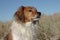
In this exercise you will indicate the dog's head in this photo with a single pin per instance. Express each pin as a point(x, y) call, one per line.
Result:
point(27, 14)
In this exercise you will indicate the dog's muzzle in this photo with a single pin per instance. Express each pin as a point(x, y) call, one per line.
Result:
point(37, 17)
point(38, 14)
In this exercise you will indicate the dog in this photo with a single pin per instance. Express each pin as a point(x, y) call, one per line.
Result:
point(24, 24)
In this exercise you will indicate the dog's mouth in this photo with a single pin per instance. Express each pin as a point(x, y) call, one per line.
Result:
point(36, 18)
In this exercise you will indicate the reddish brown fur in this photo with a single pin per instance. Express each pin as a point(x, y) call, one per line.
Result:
point(23, 11)
point(25, 15)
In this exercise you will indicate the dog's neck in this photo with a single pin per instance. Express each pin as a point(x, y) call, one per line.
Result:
point(28, 23)
point(23, 31)
point(20, 23)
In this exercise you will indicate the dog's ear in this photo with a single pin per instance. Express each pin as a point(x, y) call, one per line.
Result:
point(19, 15)
point(20, 9)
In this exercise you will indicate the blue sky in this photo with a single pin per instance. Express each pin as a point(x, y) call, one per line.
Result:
point(9, 7)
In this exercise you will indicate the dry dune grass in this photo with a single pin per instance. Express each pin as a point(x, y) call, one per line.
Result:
point(4, 29)
point(49, 27)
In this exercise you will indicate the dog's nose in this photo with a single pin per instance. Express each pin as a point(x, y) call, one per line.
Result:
point(38, 14)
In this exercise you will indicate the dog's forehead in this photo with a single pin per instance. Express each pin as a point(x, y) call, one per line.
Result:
point(29, 7)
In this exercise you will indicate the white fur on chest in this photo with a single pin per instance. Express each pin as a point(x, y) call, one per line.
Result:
point(23, 32)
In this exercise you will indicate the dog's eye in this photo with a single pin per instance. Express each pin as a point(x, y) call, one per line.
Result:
point(30, 10)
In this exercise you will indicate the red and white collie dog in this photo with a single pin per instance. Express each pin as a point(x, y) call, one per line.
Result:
point(24, 24)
